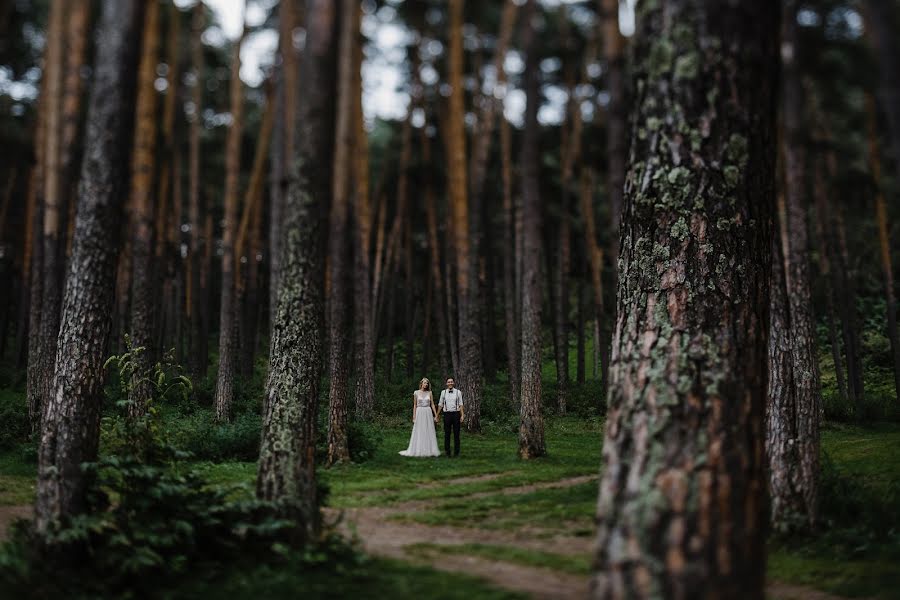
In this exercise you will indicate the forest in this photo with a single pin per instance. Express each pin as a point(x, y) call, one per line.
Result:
point(651, 245)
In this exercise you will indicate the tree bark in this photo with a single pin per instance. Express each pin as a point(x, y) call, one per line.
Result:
point(510, 296)
point(531, 424)
point(363, 300)
point(884, 243)
point(71, 423)
point(560, 288)
point(196, 293)
point(144, 302)
point(339, 242)
point(881, 22)
point(801, 410)
point(51, 255)
point(434, 255)
point(227, 309)
point(581, 325)
point(470, 365)
point(682, 505)
point(287, 456)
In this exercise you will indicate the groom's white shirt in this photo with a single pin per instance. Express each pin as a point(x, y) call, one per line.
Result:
point(451, 402)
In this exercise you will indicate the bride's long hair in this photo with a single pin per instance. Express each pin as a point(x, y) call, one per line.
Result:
point(427, 384)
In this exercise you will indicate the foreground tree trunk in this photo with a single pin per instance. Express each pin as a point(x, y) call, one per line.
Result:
point(470, 367)
point(227, 312)
point(287, 457)
point(144, 302)
point(682, 505)
point(531, 424)
point(71, 423)
point(339, 246)
point(511, 298)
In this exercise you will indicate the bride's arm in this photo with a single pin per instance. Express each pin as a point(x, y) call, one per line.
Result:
point(433, 409)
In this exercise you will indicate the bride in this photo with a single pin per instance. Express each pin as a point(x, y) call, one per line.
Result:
point(423, 441)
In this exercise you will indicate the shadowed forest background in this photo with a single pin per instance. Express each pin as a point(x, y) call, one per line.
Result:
point(654, 238)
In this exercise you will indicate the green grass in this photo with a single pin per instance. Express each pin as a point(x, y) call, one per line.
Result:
point(576, 565)
point(553, 510)
point(17, 480)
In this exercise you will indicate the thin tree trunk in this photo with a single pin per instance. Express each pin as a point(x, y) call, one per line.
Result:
point(52, 258)
point(682, 504)
point(144, 301)
point(595, 264)
point(881, 20)
point(71, 423)
point(531, 426)
point(195, 294)
point(826, 252)
point(434, 255)
point(884, 243)
point(363, 301)
point(339, 242)
point(804, 414)
point(560, 287)
point(511, 298)
point(227, 309)
point(287, 457)
point(466, 290)
point(581, 324)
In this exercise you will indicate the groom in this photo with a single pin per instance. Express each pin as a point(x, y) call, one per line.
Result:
point(452, 406)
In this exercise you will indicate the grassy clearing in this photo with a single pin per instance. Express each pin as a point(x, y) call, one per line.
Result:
point(575, 565)
point(567, 510)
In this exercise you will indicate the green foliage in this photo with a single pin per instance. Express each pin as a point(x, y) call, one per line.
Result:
point(150, 520)
point(14, 418)
point(198, 434)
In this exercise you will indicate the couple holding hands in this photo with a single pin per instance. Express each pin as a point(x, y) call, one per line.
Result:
point(423, 441)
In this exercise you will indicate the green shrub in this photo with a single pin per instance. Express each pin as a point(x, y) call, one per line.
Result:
point(15, 428)
point(199, 434)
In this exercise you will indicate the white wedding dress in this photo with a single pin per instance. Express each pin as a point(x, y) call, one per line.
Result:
point(423, 441)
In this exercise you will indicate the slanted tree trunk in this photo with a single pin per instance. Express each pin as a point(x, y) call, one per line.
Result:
point(884, 243)
point(196, 290)
point(144, 302)
point(70, 429)
point(682, 505)
point(287, 472)
point(227, 312)
point(511, 298)
point(339, 242)
point(470, 366)
point(531, 424)
point(797, 416)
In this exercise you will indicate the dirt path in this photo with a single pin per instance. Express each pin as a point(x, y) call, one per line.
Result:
point(380, 535)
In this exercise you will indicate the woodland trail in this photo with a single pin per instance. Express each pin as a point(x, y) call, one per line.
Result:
point(383, 532)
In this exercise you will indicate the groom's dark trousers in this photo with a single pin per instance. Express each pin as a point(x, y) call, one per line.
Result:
point(451, 421)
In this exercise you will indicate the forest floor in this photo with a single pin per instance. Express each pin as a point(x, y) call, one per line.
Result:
point(498, 527)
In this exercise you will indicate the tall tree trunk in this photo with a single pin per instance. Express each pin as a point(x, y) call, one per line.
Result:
point(802, 411)
point(339, 243)
point(144, 302)
point(363, 299)
point(881, 23)
point(510, 297)
point(227, 312)
point(195, 294)
point(884, 243)
point(783, 444)
point(682, 505)
point(282, 140)
point(560, 291)
point(531, 425)
point(52, 206)
point(246, 247)
point(434, 255)
point(71, 423)
point(595, 265)
point(581, 324)
point(470, 367)
point(33, 262)
point(826, 252)
point(287, 457)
